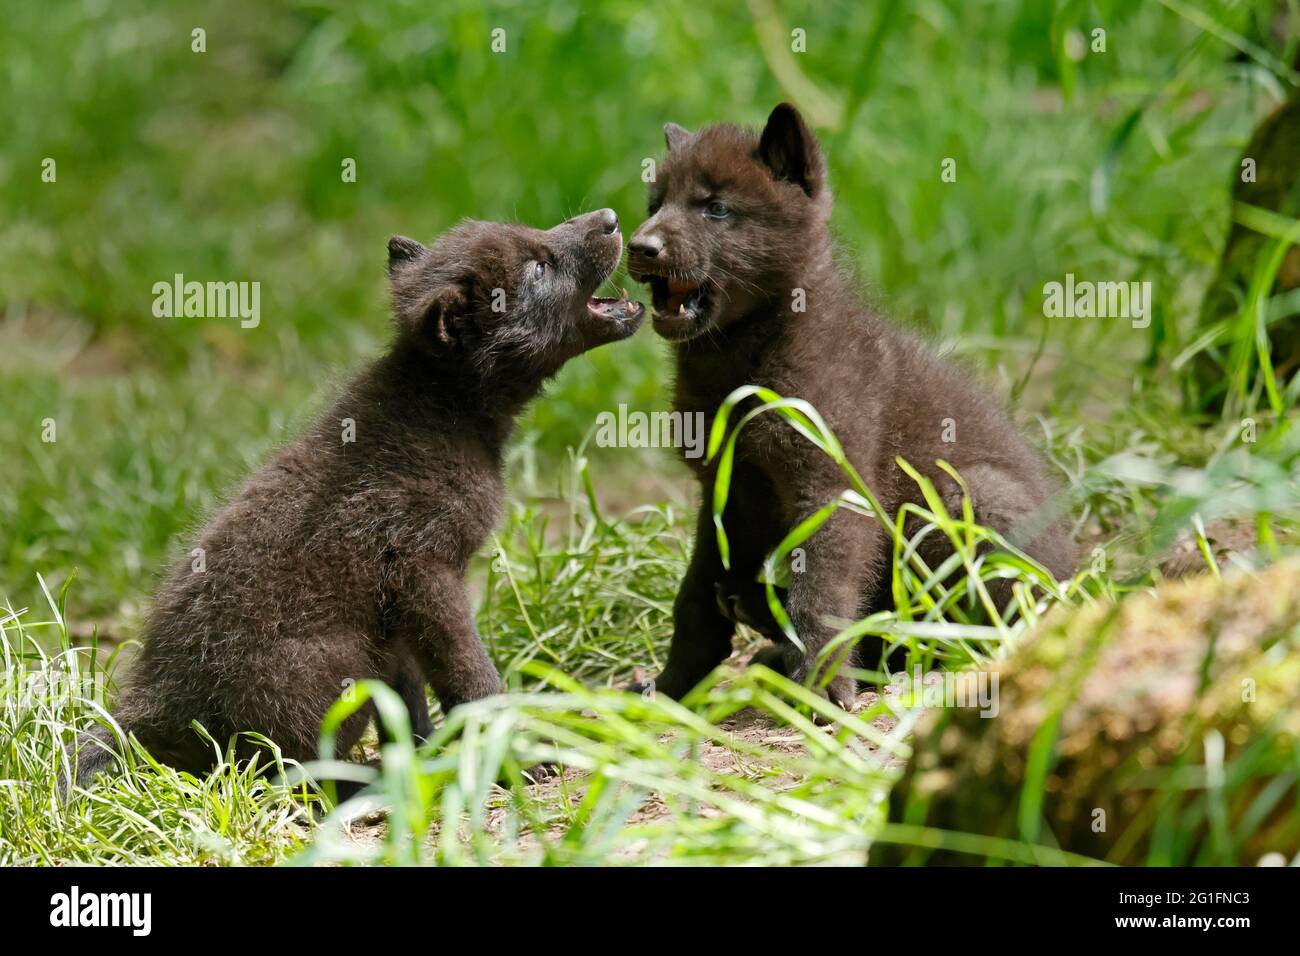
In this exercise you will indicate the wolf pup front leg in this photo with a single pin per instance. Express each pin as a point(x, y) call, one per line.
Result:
point(701, 634)
point(433, 617)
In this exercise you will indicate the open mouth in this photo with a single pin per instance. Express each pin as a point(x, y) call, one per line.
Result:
point(610, 318)
point(678, 303)
point(614, 308)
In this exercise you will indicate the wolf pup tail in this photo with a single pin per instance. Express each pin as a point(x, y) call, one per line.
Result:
point(93, 752)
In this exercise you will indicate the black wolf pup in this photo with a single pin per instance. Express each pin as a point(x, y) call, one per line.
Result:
point(344, 557)
point(737, 253)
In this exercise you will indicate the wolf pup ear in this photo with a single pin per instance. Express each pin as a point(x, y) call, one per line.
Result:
point(444, 316)
point(432, 313)
point(402, 249)
point(675, 135)
point(790, 150)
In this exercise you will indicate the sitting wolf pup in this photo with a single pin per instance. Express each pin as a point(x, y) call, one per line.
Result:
point(738, 255)
point(344, 558)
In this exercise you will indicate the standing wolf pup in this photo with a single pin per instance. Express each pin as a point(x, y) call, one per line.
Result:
point(737, 253)
point(344, 558)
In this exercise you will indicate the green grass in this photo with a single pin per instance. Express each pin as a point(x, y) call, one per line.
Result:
point(566, 610)
point(226, 164)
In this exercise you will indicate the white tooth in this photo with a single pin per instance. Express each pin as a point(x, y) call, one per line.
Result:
point(681, 309)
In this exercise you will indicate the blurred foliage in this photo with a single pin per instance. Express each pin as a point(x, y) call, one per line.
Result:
point(227, 165)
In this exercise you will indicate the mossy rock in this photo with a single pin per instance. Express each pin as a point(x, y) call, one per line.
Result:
point(1163, 730)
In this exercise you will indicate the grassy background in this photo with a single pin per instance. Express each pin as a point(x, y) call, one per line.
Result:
point(225, 165)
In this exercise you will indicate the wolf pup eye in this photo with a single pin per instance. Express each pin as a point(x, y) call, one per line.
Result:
point(717, 210)
point(539, 270)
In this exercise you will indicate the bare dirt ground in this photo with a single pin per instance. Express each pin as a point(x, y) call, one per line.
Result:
point(748, 726)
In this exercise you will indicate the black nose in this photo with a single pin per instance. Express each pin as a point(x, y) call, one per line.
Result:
point(608, 220)
point(648, 246)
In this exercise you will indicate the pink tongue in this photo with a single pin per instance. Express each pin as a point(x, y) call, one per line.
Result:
point(606, 306)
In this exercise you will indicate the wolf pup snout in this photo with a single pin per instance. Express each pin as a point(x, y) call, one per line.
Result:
point(597, 234)
point(344, 558)
point(726, 242)
point(528, 293)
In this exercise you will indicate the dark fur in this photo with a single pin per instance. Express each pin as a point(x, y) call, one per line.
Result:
point(342, 561)
point(882, 392)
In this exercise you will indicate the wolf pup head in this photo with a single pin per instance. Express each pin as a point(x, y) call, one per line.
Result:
point(511, 301)
point(734, 219)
